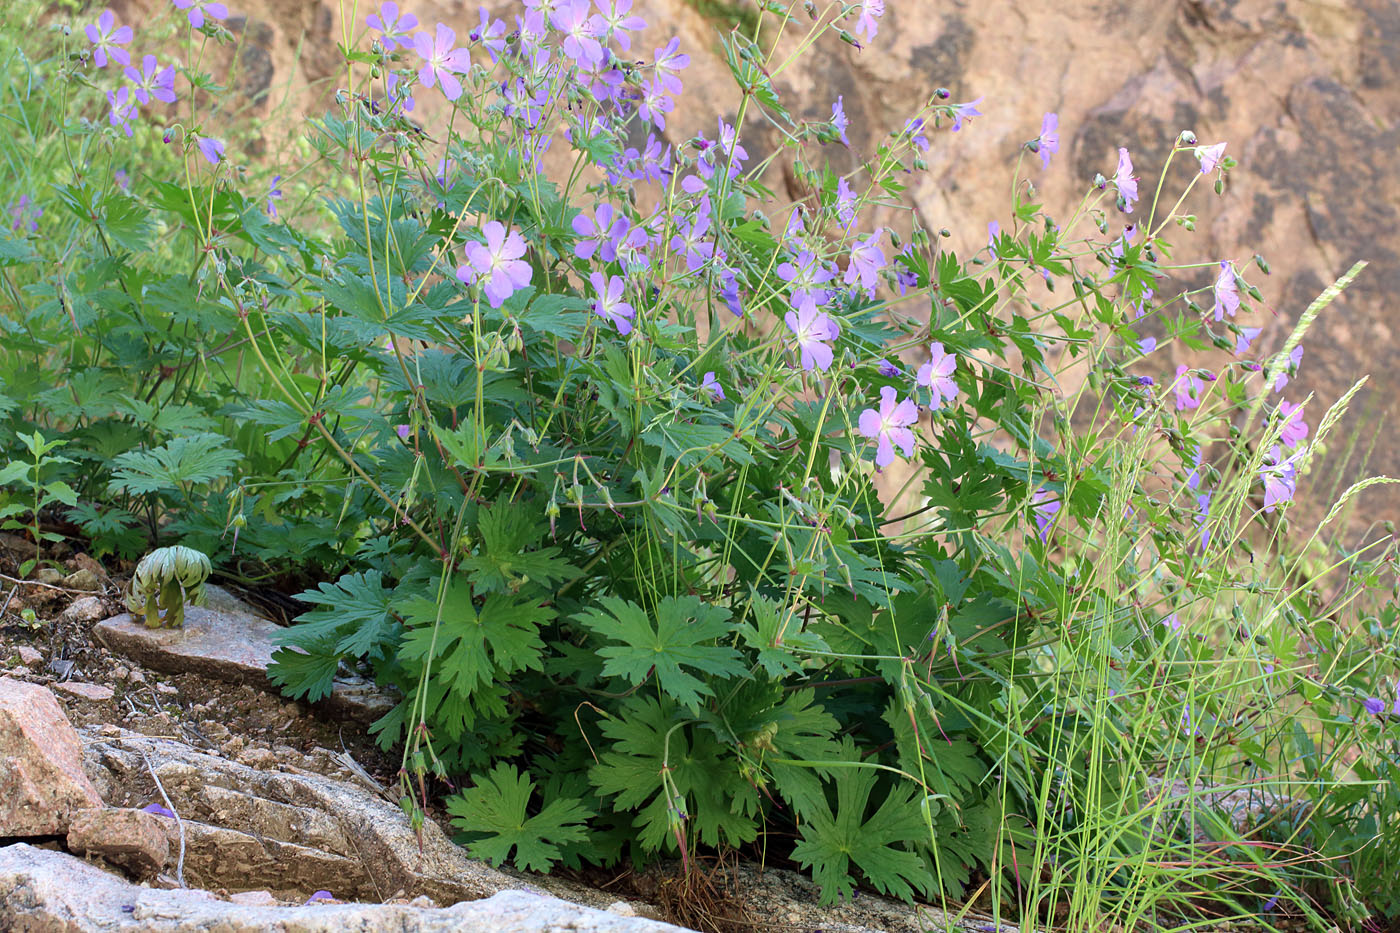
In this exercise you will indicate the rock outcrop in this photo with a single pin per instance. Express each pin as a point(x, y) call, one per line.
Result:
point(42, 784)
point(49, 892)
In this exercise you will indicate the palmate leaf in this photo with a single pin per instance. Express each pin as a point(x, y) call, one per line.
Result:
point(502, 563)
point(198, 458)
point(355, 621)
point(780, 648)
point(497, 808)
point(634, 648)
point(473, 647)
point(880, 846)
point(717, 803)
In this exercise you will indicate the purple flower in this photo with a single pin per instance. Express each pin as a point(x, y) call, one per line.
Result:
point(1126, 182)
point(319, 897)
point(106, 41)
point(158, 810)
point(123, 109)
point(867, 259)
point(845, 204)
point(498, 262)
point(689, 241)
point(711, 385)
point(393, 28)
point(1227, 295)
point(1188, 390)
point(600, 235)
point(889, 426)
point(1045, 505)
point(654, 104)
point(965, 111)
point(1245, 338)
point(610, 305)
point(888, 369)
point(199, 9)
point(1395, 710)
point(1202, 516)
point(403, 431)
point(21, 216)
point(813, 330)
point(1374, 705)
point(1295, 357)
point(571, 17)
point(274, 194)
point(1173, 622)
point(1147, 345)
point(396, 102)
point(915, 129)
point(669, 63)
point(617, 20)
point(729, 291)
point(993, 234)
point(490, 33)
point(631, 249)
point(212, 149)
point(1210, 157)
point(806, 276)
point(1193, 479)
point(122, 179)
point(1294, 427)
point(870, 11)
point(1280, 478)
point(729, 142)
point(1048, 142)
point(937, 375)
point(442, 60)
point(152, 81)
point(839, 121)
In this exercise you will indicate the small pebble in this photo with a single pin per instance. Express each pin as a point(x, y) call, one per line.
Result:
point(254, 899)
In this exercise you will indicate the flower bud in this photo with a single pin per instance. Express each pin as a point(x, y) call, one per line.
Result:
point(1187, 138)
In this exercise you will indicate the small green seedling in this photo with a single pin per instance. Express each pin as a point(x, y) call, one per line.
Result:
point(164, 579)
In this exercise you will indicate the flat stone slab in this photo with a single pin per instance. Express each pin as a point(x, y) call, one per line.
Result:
point(229, 645)
point(41, 890)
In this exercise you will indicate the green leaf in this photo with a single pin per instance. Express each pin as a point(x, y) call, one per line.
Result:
point(715, 802)
point(497, 808)
point(778, 638)
point(59, 491)
point(474, 647)
point(302, 673)
point(683, 626)
point(15, 471)
point(199, 458)
point(356, 613)
point(502, 563)
point(834, 840)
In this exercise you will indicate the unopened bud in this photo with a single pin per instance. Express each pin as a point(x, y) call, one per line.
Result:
point(1187, 138)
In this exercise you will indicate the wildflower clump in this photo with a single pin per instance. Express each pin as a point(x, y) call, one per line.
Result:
point(684, 519)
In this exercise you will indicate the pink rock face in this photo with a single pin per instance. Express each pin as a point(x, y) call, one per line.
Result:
point(41, 763)
point(95, 693)
point(130, 838)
